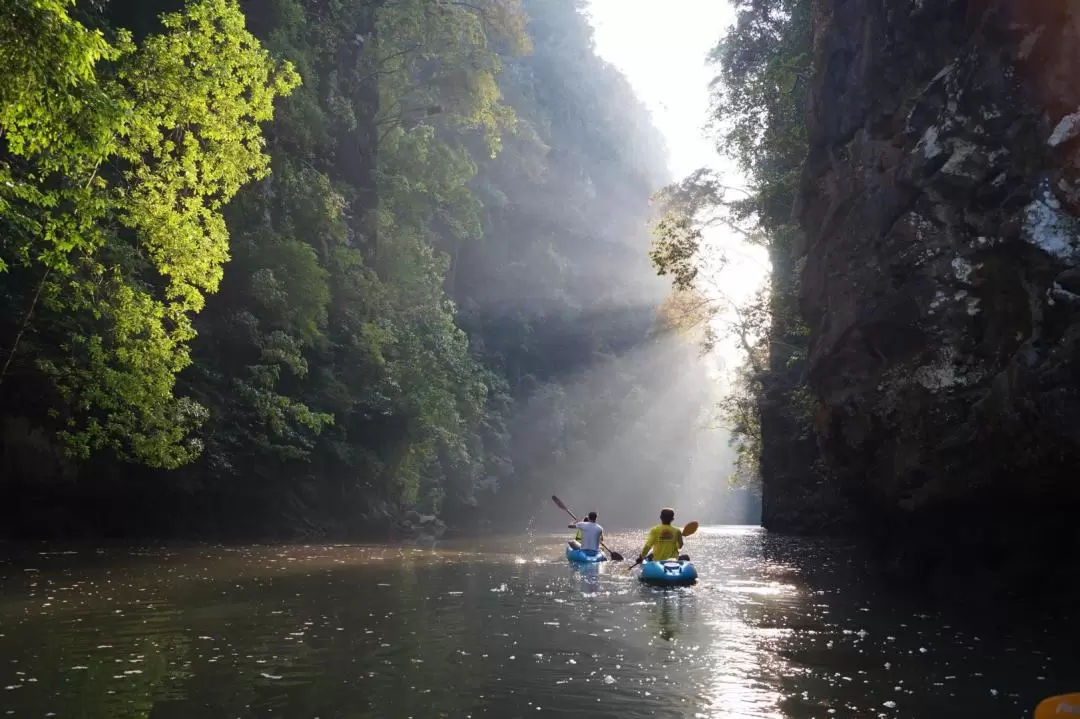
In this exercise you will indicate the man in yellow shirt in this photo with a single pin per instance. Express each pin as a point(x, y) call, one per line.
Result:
point(664, 539)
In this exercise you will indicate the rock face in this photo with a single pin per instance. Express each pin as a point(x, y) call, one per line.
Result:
point(942, 263)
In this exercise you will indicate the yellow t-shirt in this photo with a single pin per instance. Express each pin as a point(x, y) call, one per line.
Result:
point(577, 537)
point(664, 540)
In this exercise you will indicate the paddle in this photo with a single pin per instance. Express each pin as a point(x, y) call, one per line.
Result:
point(614, 555)
point(686, 532)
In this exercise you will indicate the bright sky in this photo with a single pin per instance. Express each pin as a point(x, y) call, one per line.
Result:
point(661, 46)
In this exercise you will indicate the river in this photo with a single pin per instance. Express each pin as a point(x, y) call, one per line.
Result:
point(776, 627)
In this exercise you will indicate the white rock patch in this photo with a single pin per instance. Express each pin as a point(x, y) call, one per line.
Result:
point(929, 143)
point(963, 270)
point(962, 151)
point(1049, 228)
point(944, 373)
point(1067, 129)
point(1063, 294)
point(939, 299)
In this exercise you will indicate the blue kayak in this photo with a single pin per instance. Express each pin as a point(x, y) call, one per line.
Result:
point(585, 556)
point(669, 572)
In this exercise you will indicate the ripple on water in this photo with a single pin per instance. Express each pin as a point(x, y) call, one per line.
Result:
point(775, 627)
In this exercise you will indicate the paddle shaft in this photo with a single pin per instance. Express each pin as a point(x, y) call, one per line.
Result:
point(567, 510)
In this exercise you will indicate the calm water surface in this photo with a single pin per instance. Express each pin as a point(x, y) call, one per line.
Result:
point(777, 627)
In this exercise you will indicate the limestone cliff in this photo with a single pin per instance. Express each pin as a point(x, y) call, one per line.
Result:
point(941, 275)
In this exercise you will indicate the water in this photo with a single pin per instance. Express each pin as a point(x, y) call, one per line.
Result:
point(777, 627)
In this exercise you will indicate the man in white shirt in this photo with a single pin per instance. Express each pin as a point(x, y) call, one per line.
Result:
point(591, 533)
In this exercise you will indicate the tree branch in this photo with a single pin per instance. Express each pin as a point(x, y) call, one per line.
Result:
point(392, 56)
point(25, 325)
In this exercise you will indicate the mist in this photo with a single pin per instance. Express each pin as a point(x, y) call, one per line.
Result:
point(656, 445)
point(611, 410)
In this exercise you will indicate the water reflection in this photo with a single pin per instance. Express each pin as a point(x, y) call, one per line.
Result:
point(743, 650)
point(775, 627)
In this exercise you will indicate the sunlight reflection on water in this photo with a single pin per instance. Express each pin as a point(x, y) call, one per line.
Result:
point(776, 627)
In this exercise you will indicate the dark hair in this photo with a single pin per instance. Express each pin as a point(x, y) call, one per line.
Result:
point(592, 516)
point(667, 514)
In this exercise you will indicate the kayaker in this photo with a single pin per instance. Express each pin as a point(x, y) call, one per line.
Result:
point(591, 533)
point(575, 543)
point(664, 539)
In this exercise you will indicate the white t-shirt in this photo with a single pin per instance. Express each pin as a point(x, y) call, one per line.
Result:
point(590, 535)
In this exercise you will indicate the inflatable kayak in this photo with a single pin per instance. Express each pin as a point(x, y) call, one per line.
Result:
point(585, 556)
point(668, 572)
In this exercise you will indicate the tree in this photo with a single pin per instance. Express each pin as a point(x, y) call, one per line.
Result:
point(758, 98)
point(443, 229)
point(116, 164)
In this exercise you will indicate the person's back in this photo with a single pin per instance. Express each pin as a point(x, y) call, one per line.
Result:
point(591, 533)
point(665, 539)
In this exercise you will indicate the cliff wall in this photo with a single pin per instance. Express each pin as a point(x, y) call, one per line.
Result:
point(941, 268)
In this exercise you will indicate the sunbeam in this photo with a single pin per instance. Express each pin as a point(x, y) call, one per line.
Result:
point(654, 444)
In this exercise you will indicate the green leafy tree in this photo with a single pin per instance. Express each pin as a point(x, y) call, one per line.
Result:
point(440, 232)
point(116, 164)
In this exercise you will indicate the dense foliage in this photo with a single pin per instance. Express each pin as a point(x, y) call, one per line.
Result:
point(387, 297)
point(118, 159)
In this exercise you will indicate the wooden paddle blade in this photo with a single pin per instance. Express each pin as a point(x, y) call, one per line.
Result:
point(559, 503)
point(690, 529)
point(616, 557)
